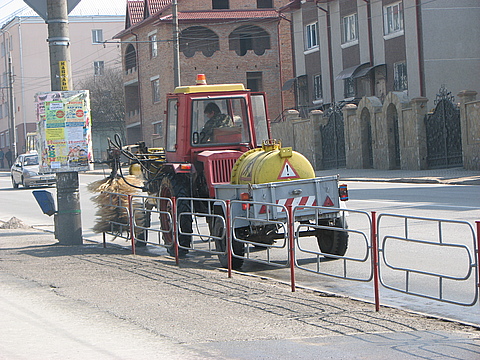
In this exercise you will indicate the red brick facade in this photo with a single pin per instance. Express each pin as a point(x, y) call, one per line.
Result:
point(223, 66)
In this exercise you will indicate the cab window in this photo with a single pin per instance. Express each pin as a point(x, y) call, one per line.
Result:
point(219, 121)
point(172, 125)
point(260, 118)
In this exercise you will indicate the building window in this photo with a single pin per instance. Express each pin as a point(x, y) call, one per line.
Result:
point(198, 38)
point(97, 36)
point(317, 87)
point(1, 112)
point(254, 81)
point(249, 37)
point(130, 58)
point(99, 68)
point(158, 128)
point(2, 47)
point(264, 4)
point(349, 87)
point(153, 46)
point(400, 81)
point(311, 35)
point(156, 90)
point(350, 28)
point(220, 4)
point(393, 18)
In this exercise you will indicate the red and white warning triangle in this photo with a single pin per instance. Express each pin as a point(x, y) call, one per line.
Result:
point(288, 172)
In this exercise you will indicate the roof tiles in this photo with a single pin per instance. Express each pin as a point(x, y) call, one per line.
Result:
point(210, 15)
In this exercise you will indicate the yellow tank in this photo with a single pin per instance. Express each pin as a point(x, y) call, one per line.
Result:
point(271, 163)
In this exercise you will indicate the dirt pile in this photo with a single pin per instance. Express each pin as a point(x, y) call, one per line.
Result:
point(14, 223)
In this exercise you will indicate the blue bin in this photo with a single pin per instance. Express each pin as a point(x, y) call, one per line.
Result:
point(46, 202)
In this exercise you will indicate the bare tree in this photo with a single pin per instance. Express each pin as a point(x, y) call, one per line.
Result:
point(107, 101)
point(107, 105)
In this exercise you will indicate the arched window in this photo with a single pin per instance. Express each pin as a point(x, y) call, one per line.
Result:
point(130, 58)
point(198, 38)
point(249, 37)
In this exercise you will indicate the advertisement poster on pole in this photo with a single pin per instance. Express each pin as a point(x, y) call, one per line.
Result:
point(64, 131)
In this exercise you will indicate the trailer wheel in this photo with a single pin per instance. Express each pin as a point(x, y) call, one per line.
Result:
point(218, 229)
point(331, 241)
point(175, 186)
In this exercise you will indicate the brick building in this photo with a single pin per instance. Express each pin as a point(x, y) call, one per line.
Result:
point(236, 41)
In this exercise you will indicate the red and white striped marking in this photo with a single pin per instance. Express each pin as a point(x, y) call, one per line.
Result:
point(304, 200)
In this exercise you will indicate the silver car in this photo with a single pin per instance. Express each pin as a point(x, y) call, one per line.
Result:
point(25, 171)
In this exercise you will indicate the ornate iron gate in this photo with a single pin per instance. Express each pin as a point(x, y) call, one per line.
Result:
point(444, 139)
point(333, 139)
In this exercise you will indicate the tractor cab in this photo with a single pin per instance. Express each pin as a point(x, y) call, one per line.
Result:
point(213, 117)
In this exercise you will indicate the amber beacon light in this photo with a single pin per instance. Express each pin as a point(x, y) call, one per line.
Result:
point(201, 79)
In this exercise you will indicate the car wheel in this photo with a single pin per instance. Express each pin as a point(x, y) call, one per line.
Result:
point(24, 183)
point(14, 184)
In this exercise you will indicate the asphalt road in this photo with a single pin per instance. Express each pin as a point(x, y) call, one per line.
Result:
point(87, 302)
point(436, 200)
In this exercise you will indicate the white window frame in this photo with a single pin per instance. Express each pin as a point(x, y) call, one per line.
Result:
point(97, 36)
point(153, 46)
point(311, 36)
point(393, 19)
point(155, 83)
point(99, 68)
point(350, 29)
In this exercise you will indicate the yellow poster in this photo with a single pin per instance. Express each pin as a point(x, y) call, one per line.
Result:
point(55, 134)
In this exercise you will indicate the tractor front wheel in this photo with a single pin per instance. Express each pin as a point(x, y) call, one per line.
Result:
point(175, 186)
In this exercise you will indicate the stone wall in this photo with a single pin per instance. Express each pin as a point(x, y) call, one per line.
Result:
point(391, 135)
point(470, 120)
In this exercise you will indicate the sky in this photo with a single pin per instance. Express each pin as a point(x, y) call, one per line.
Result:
point(85, 7)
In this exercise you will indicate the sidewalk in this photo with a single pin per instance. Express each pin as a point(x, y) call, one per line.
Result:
point(456, 176)
point(453, 176)
point(85, 302)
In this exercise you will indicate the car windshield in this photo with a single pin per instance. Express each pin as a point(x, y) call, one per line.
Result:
point(30, 160)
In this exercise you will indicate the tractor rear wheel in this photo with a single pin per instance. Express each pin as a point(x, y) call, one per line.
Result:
point(175, 186)
point(333, 242)
point(218, 229)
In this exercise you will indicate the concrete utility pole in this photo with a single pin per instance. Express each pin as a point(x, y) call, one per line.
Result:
point(176, 47)
point(68, 220)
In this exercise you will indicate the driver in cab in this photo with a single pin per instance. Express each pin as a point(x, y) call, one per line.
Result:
point(215, 120)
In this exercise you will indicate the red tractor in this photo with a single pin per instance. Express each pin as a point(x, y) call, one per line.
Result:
point(213, 132)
